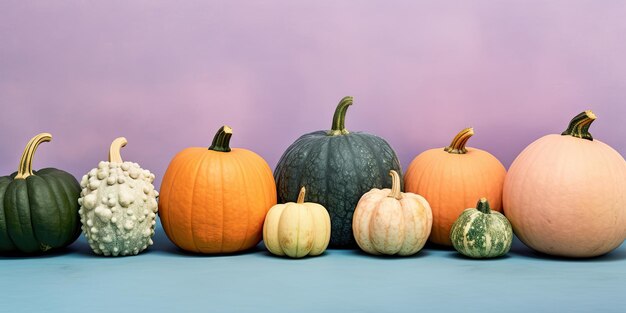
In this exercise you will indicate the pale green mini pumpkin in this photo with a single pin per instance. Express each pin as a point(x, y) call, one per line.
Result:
point(118, 205)
point(481, 232)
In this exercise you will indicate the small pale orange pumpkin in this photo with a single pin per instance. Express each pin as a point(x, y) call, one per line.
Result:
point(451, 179)
point(387, 221)
point(214, 200)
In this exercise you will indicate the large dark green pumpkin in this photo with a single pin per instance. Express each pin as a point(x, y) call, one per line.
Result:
point(337, 167)
point(38, 210)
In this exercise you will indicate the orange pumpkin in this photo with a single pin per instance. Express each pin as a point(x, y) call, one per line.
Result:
point(215, 200)
point(451, 179)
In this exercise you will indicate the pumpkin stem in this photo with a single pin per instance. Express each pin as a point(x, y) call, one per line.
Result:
point(460, 140)
point(339, 118)
point(483, 206)
point(395, 185)
point(221, 140)
point(114, 150)
point(301, 195)
point(26, 161)
point(579, 125)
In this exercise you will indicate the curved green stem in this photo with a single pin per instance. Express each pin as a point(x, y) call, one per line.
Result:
point(579, 125)
point(114, 151)
point(483, 206)
point(395, 185)
point(339, 118)
point(301, 195)
point(221, 140)
point(460, 140)
point(25, 168)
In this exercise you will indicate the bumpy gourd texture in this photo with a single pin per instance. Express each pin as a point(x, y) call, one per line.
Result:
point(337, 171)
point(297, 229)
point(479, 235)
point(38, 213)
point(118, 208)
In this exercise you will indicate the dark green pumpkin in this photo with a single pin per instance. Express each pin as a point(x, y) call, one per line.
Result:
point(337, 167)
point(481, 232)
point(38, 210)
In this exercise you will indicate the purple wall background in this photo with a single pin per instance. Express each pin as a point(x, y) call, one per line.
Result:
point(167, 75)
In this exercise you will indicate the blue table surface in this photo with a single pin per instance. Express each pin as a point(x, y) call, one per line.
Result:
point(166, 279)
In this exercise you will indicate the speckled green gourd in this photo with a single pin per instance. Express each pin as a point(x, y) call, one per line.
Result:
point(38, 209)
point(481, 232)
point(118, 206)
point(338, 167)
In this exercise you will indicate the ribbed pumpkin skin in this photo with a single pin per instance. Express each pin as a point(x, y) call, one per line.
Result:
point(297, 229)
point(566, 196)
point(389, 222)
point(452, 182)
point(337, 170)
point(40, 212)
point(479, 235)
point(215, 202)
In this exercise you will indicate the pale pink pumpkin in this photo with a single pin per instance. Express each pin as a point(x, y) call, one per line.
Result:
point(565, 195)
point(387, 221)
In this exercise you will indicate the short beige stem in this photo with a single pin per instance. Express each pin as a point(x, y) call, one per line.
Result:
point(114, 150)
point(25, 168)
point(301, 195)
point(460, 140)
point(395, 185)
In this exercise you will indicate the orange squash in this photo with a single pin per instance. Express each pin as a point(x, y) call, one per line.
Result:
point(451, 179)
point(215, 200)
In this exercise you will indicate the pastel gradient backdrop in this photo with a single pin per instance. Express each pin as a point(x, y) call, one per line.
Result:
point(167, 74)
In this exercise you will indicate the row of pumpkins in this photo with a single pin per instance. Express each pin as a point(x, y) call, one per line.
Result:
point(564, 195)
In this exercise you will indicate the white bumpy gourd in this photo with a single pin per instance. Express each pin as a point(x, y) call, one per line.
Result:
point(118, 206)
